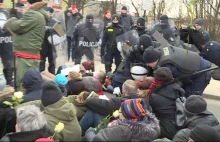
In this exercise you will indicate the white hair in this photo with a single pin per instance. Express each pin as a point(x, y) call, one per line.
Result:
point(130, 88)
point(30, 118)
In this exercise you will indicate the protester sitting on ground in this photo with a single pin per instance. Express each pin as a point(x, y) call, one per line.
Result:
point(31, 125)
point(144, 87)
point(75, 84)
point(100, 108)
point(134, 124)
point(59, 109)
point(7, 118)
point(203, 133)
point(94, 83)
point(5, 91)
point(163, 94)
point(32, 84)
point(61, 81)
point(196, 114)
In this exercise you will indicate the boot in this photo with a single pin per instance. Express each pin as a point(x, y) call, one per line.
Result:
point(42, 66)
point(108, 68)
point(8, 73)
point(51, 68)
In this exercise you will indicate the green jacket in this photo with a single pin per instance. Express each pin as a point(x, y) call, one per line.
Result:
point(62, 111)
point(29, 31)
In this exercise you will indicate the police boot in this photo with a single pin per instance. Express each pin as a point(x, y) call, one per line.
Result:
point(108, 67)
point(51, 68)
point(8, 73)
point(42, 66)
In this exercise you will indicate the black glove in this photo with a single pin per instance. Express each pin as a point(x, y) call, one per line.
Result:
point(13, 12)
point(192, 36)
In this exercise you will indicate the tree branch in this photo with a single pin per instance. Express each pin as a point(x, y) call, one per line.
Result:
point(135, 7)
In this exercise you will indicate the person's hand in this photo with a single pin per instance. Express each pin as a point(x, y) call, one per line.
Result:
point(79, 99)
point(76, 10)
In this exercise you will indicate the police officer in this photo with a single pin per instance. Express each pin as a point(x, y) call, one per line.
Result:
point(110, 45)
point(49, 50)
point(199, 23)
point(6, 48)
point(86, 37)
point(182, 66)
point(209, 50)
point(140, 27)
point(165, 29)
point(134, 55)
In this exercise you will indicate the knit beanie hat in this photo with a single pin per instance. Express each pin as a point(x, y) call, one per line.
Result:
point(88, 65)
point(133, 109)
point(144, 42)
point(75, 75)
point(33, 1)
point(164, 19)
point(141, 22)
point(151, 55)
point(199, 21)
point(194, 105)
point(74, 7)
point(115, 16)
point(203, 133)
point(60, 80)
point(163, 74)
point(51, 94)
point(124, 8)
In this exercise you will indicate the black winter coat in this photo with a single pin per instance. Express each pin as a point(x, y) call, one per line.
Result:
point(163, 103)
point(204, 118)
point(30, 136)
point(106, 107)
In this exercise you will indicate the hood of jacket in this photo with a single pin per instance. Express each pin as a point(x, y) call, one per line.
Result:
point(40, 7)
point(62, 110)
point(205, 118)
point(170, 90)
point(142, 130)
point(32, 81)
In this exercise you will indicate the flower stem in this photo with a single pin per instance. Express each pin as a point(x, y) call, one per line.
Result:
point(53, 135)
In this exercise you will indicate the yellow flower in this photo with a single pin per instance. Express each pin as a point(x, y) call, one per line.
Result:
point(18, 94)
point(116, 113)
point(59, 127)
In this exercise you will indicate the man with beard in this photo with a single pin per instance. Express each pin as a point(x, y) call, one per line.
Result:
point(86, 37)
point(164, 28)
point(125, 19)
point(110, 44)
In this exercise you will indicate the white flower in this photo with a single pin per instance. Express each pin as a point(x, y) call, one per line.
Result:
point(18, 94)
point(59, 127)
point(116, 113)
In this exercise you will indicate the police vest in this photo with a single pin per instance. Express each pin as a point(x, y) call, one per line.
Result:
point(88, 38)
point(186, 63)
point(5, 39)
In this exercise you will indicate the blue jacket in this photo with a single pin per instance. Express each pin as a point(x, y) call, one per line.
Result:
point(32, 82)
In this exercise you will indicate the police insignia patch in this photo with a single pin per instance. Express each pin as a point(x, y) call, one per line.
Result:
point(166, 51)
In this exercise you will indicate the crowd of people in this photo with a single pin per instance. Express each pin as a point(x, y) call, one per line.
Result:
point(154, 94)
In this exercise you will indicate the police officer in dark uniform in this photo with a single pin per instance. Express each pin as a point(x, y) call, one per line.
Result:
point(86, 37)
point(209, 50)
point(134, 55)
point(48, 49)
point(140, 27)
point(165, 29)
point(6, 52)
point(110, 45)
point(182, 66)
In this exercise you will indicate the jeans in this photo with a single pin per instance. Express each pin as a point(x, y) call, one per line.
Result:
point(90, 119)
point(70, 48)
